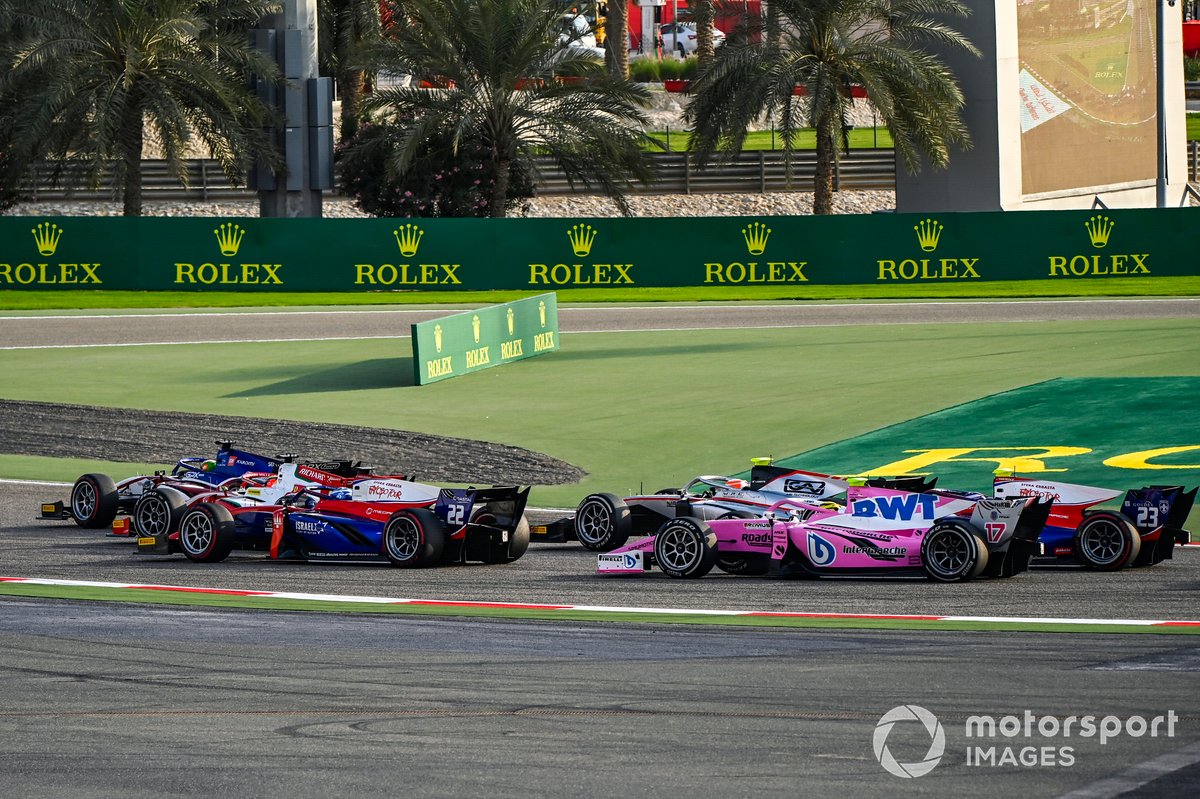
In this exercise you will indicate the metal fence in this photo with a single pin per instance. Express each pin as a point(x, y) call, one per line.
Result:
point(675, 173)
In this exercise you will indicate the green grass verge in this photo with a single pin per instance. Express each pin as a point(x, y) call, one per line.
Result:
point(639, 410)
point(187, 598)
point(1010, 289)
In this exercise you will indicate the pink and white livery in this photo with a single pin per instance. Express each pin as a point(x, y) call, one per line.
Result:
point(948, 536)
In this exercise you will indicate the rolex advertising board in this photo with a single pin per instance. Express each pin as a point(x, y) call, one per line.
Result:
point(263, 255)
point(472, 340)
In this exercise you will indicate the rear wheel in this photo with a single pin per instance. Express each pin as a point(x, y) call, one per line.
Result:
point(94, 501)
point(685, 547)
point(952, 552)
point(206, 533)
point(1107, 542)
point(603, 522)
point(158, 512)
point(513, 548)
point(414, 537)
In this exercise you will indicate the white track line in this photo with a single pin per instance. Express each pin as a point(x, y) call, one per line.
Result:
point(592, 308)
point(1136, 776)
point(1029, 621)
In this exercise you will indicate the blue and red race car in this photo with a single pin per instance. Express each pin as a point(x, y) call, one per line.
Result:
point(1143, 532)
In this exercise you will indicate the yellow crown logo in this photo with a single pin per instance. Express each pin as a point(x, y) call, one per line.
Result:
point(47, 234)
point(510, 321)
point(475, 327)
point(229, 238)
point(542, 312)
point(408, 238)
point(928, 233)
point(581, 237)
point(756, 235)
point(1099, 228)
point(437, 337)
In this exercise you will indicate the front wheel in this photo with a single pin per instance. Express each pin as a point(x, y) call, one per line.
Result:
point(158, 512)
point(206, 533)
point(603, 522)
point(685, 547)
point(414, 538)
point(94, 501)
point(952, 552)
point(1107, 542)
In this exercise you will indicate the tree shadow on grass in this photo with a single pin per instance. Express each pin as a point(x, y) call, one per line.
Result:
point(375, 373)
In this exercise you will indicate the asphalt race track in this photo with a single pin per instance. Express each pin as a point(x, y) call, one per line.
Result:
point(122, 700)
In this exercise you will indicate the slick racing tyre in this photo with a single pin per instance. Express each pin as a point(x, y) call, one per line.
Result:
point(94, 501)
point(505, 551)
point(685, 547)
point(1107, 541)
point(743, 564)
point(414, 538)
point(952, 552)
point(206, 533)
point(603, 522)
point(158, 512)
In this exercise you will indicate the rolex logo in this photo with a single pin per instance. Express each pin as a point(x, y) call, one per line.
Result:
point(510, 321)
point(542, 312)
point(928, 233)
point(756, 235)
point(408, 238)
point(47, 234)
point(1099, 228)
point(437, 337)
point(229, 238)
point(581, 237)
point(475, 327)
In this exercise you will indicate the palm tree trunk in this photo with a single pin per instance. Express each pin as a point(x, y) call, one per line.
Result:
point(499, 198)
point(823, 179)
point(703, 14)
point(617, 38)
point(132, 133)
point(351, 87)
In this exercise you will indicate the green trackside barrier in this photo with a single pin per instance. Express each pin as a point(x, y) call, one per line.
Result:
point(545, 254)
point(472, 340)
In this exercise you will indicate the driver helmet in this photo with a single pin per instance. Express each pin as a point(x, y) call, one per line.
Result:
point(738, 483)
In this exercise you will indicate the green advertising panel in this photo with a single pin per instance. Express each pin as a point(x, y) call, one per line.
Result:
point(250, 254)
point(472, 340)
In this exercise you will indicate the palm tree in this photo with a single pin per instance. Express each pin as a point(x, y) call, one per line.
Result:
point(826, 47)
point(86, 80)
point(703, 14)
point(505, 83)
point(616, 38)
point(343, 27)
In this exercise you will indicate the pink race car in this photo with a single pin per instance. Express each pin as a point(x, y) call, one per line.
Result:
point(949, 536)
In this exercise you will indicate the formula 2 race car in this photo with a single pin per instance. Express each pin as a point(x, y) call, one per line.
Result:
point(96, 499)
point(484, 524)
point(1143, 532)
point(603, 522)
point(879, 532)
